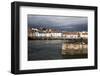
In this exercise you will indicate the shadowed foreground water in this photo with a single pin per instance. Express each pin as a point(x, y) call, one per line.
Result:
point(50, 50)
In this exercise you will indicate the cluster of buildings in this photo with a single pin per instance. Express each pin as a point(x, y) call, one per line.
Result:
point(43, 33)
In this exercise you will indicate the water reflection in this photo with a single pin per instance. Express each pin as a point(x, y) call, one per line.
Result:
point(56, 49)
point(74, 48)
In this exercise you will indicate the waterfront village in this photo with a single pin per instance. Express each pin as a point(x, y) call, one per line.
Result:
point(78, 47)
point(43, 33)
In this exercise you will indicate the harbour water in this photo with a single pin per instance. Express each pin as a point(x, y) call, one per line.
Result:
point(55, 49)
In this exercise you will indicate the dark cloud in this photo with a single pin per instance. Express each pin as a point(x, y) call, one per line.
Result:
point(62, 23)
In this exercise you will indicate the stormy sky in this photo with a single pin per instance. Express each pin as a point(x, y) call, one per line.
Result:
point(61, 23)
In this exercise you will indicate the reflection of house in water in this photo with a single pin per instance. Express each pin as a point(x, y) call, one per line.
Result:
point(74, 48)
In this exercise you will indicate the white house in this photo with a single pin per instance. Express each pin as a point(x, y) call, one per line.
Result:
point(83, 34)
point(56, 35)
point(47, 34)
point(42, 34)
point(70, 35)
point(39, 34)
point(34, 29)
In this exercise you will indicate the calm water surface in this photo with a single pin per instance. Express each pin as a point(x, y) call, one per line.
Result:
point(48, 50)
